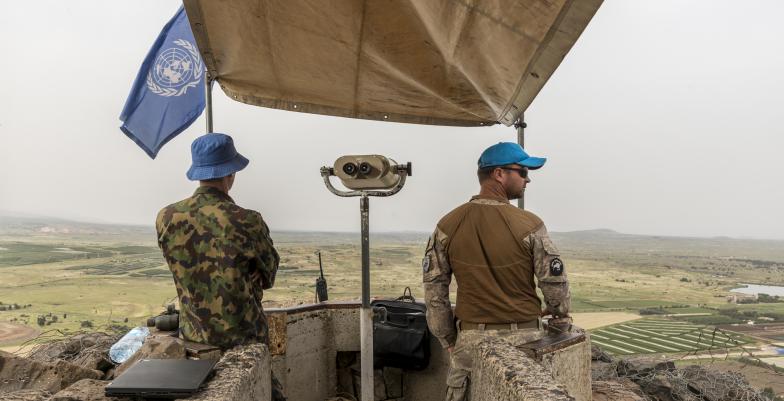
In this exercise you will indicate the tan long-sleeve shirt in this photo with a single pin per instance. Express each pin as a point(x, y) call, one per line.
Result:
point(494, 250)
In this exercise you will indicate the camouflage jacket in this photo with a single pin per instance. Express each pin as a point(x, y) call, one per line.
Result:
point(492, 291)
point(221, 257)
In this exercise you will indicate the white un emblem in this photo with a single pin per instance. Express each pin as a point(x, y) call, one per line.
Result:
point(175, 70)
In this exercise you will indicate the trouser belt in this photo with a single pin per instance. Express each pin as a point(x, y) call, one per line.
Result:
point(531, 324)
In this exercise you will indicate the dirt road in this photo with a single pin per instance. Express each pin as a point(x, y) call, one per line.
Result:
point(11, 333)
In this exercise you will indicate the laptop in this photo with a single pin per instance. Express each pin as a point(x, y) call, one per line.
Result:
point(161, 378)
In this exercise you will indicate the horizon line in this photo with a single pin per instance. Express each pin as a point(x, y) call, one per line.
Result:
point(27, 215)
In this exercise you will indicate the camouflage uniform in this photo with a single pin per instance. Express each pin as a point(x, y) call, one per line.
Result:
point(221, 257)
point(543, 262)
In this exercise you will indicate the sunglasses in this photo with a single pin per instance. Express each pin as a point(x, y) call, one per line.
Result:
point(522, 171)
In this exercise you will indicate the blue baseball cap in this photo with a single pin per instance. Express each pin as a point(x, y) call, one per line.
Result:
point(504, 153)
point(214, 156)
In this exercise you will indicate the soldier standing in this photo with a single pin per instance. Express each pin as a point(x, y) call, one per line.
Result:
point(494, 250)
point(221, 255)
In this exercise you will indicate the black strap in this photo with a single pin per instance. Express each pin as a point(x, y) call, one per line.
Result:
point(406, 297)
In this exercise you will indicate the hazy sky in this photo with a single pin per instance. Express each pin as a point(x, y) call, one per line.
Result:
point(665, 118)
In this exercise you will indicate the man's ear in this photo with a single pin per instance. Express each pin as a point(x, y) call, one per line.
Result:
point(497, 174)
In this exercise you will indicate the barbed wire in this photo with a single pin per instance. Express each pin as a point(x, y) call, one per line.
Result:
point(659, 379)
point(77, 339)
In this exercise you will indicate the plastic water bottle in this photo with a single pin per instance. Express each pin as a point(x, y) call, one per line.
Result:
point(128, 344)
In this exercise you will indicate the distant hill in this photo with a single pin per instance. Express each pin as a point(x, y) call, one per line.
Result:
point(608, 234)
point(21, 224)
point(609, 244)
point(26, 225)
point(604, 239)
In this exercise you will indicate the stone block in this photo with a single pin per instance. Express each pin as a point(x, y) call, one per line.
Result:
point(639, 366)
point(89, 351)
point(661, 388)
point(714, 385)
point(85, 390)
point(598, 355)
point(503, 372)
point(26, 395)
point(94, 359)
point(72, 348)
point(601, 371)
point(276, 323)
point(614, 391)
point(25, 374)
point(242, 374)
point(571, 367)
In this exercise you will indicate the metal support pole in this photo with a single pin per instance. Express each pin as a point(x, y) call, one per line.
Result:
point(366, 312)
point(364, 207)
point(520, 125)
point(208, 101)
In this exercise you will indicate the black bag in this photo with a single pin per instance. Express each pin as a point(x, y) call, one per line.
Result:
point(400, 335)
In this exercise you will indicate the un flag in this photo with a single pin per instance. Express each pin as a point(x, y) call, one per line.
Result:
point(168, 93)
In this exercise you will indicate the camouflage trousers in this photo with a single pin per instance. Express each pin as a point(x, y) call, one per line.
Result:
point(461, 362)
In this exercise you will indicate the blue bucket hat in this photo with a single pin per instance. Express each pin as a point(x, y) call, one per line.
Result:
point(214, 156)
point(504, 153)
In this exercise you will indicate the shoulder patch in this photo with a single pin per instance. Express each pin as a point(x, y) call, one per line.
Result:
point(556, 267)
point(426, 263)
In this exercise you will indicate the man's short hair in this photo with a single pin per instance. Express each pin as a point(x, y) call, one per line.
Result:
point(485, 172)
point(213, 180)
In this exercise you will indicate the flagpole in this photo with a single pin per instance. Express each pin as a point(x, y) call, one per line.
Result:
point(208, 101)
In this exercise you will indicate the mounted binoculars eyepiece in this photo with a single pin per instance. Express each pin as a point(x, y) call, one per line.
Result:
point(167, 321)
point(350, 169)
point(363, 172)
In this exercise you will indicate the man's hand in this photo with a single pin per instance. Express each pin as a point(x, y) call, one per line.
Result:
point(451, 349)
point(561, 324)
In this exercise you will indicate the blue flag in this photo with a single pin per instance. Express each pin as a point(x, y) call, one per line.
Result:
point(168, 93)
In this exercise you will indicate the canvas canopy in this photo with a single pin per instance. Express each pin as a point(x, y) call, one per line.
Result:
point(446, 62)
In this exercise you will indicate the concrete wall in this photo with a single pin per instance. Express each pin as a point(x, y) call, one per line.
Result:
point(505, 373)
point(242, 374)
point(305, 349)
point(306, 367)
point(305, 342)
point(571, 366)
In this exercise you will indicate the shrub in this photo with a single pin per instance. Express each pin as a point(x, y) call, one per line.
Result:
point(765, 298)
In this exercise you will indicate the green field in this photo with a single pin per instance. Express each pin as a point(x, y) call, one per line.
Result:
point(101, 283)
point(115, 276)
point(648, 336)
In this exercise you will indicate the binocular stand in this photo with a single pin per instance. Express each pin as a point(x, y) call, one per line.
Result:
point(366, 312)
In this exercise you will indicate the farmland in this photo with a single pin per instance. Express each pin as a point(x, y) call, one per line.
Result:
point(67, 277)
point(648, 336)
